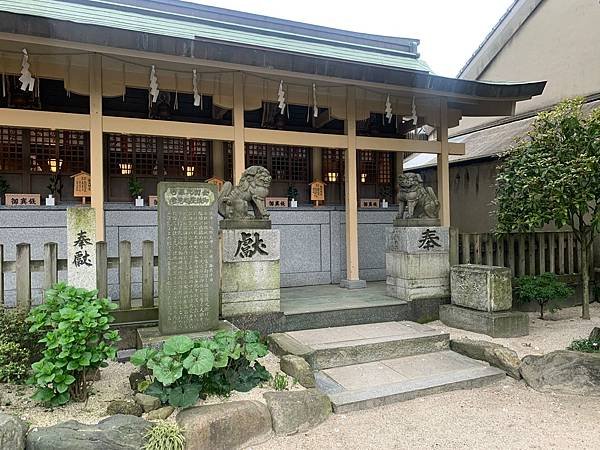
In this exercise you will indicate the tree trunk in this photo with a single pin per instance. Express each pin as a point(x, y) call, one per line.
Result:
point(585, 279)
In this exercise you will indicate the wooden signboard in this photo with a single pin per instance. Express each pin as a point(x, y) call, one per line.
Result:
point(82, 186)
point(22, 199)
point(152, 200)
point(369, 203)
point(317, 192)
point(277, 202)
point(217, 181)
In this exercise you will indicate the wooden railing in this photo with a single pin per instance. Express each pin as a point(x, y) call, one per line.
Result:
point(524, 253)
point(23, 266)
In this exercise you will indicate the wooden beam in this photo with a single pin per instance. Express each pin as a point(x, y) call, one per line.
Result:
point(239, 141)
point(407, 145)
point(443, 168)
point(278, 137)
point(43, 119)
point(149, 127)
point(352, 272)
point(96, 143)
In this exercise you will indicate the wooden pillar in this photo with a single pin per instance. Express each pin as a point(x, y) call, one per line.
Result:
point(443, 168)
point(317, 164)
point(218, 159)
point(96, 145)
point(239, 163)
point(399, 163)
point(352, 277)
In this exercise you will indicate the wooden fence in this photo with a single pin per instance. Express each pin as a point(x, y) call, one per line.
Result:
point(50, 265)
point(523, 253)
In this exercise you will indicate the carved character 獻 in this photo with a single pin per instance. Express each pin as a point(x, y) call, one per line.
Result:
point(252, 190)
point(414, 199)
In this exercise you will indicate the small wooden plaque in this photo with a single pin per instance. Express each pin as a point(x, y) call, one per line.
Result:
point(22, 199)
point(82, 185)
point(317, 191)
point(369, 203)
point(277, 202)
point(152, 200)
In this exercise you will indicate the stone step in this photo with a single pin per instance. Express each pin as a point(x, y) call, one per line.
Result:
point(373, 384)
point(326, 348)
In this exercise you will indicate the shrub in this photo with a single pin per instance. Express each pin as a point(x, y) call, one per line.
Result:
point(18, 347)
point(77, 342)
point(183, 370)
point(544, 289)
point(165, 436)
point(585, 345)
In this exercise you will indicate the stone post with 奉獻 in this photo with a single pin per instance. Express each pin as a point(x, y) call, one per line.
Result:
point(81, 247)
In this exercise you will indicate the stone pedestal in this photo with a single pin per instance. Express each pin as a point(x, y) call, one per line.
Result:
point(481, 302)
point(250, 282)
point(417, 262)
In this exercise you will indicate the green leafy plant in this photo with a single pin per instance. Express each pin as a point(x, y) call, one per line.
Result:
point(165, 436)
point(77, 341)
point(280, 381)
point(292, 192)
point(552, 176)
point(18, 348)
point(4, 187)
point(135, 188)
point(183, 370)
point(544, 289)
point(585, 345)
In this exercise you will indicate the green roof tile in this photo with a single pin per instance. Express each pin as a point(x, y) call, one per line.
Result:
point(178, 26)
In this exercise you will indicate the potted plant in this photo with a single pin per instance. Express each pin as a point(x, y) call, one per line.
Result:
point(135, 190)
point(55, 186)
point(292, 194)
point(544, 289)
point(4, 187)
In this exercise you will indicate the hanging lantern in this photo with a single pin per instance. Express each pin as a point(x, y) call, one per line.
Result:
point(27, 81)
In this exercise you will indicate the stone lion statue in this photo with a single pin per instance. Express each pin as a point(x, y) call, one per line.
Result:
point(252, 190)
point(414, 199)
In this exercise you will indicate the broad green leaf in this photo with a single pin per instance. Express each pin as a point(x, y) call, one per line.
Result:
point(199, 361)
point(141, 357)
point(184, 396)
point(177, 345)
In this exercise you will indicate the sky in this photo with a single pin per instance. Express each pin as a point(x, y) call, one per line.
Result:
point(449, 30)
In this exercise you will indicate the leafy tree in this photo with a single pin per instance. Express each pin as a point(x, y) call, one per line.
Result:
point(553, 176)
point(545, 289)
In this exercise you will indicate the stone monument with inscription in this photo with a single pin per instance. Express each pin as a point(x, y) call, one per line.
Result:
point(417, 255)
point(81, 247)
point(250, 282)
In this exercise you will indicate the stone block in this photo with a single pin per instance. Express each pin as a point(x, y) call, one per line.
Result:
point(495, 354)
point(298, 368)
point(250, 245)
point(484, 288)
point(251, 307)
point(250, 276)
point(415, 289)
point(298, 411)
point(224, 426)
point(152, 337)
point(417, 239)
point(495, 324)
point(12, 432)
point(419, 265)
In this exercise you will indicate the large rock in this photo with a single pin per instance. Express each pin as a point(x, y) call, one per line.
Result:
point(298, 411)
point(147, 402)
point(495, 354)
point(595, 334)
point(12, 432)
point(124, 407)
point(114, 433)
point(298, 368)
point(160, 413)
point(225, 426)
point(563, 371)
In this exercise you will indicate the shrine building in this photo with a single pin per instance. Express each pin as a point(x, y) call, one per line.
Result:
point(136, 92)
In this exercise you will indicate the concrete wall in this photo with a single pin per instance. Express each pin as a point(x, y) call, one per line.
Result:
point(472, 190)
point(313, 249)
point(559, 43)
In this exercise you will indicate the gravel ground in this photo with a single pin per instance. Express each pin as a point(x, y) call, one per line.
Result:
point(113, 385)
point(504, 415)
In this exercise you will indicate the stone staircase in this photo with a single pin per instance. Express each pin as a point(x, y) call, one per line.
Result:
point(363, 366)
